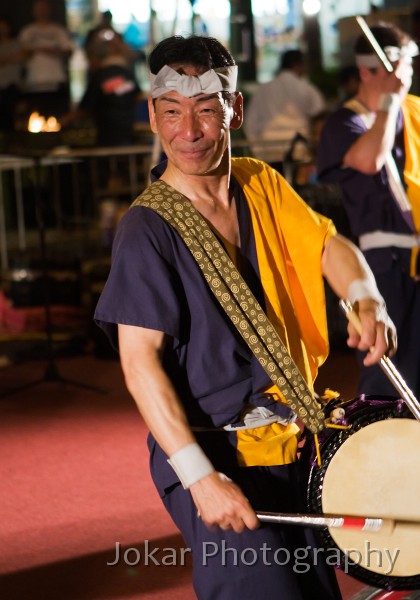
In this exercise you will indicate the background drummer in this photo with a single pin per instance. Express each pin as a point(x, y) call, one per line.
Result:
point(209, 404)
point(356, 143)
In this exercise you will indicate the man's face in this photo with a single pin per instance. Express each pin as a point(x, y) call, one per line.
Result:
point(194, 132)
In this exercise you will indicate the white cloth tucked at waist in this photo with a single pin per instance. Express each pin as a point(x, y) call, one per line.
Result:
point(386, 239)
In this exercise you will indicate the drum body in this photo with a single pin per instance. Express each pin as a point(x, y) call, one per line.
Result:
point(371, 469)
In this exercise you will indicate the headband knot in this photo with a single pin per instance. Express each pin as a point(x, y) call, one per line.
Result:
point(393, 53)
point(167, 79)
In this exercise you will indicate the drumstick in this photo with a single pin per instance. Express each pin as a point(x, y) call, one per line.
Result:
point(337, 521)
point(375, 46)
point(386, 364)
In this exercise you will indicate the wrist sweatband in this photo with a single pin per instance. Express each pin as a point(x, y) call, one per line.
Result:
point(190, 464)
point(389, 102)
point(362, 289)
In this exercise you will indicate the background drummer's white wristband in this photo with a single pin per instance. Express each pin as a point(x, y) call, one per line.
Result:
point(190, 464)
point(389, 102)
point(362, 289)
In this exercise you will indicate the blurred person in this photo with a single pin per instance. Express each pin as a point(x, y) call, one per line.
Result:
point(281, 109)
point(370, 146)
point(90, 44)
point(110, 101)
point(11, 60)
point(48, 47)
point(111, 95)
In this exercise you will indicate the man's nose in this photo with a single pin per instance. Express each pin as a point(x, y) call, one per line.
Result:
point(191, 128)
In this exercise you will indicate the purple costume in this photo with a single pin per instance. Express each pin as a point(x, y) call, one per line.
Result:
point(155, 283)
point(370, 207)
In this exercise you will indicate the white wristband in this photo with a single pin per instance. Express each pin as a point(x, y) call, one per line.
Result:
point(361, 289)
point(190, 464)
point(389, 102)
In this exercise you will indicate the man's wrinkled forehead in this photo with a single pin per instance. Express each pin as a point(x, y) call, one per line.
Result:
point(222, 79)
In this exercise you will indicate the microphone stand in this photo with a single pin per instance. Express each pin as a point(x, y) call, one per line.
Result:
point(51, 373)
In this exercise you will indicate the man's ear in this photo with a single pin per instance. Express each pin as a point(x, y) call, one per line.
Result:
point(238, 112)
point(365, 74)
point(152, 115)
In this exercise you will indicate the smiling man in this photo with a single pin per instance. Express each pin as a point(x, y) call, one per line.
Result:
point(211, 229)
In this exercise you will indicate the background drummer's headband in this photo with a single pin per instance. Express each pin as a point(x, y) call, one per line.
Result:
point(393, 53)
point(167, 80)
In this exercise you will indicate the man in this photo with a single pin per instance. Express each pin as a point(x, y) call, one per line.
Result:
point(370, 148)
point(111, 94)
point(209, 404)
point(47, 47)
point(281, 110)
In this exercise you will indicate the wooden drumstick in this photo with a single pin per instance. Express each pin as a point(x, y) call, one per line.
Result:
point(386, 364)
point(374, 44)
point(370, 524)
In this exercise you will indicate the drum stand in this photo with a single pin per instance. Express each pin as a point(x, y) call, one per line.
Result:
point(51, 373)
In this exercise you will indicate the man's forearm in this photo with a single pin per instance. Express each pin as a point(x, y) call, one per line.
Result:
point(342, 264)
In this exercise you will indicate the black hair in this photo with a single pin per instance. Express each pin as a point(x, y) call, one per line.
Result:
point(347, 74)
point(196, 50)
point(386, 34)
point(291, 59)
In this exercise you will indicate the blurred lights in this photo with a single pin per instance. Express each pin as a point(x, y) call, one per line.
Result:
point(123, 9)
point(215, 8)
point(262, 8)
point(311, 7)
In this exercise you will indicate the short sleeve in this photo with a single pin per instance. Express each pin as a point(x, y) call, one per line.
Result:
point(340, 131)
point(143, 288)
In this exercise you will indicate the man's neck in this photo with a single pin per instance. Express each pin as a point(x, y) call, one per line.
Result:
point(368, 98)
point(211, 196)
point(211, 188)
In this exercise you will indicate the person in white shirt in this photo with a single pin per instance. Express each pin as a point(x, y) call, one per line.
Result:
point(47, 46)
point(280, 110)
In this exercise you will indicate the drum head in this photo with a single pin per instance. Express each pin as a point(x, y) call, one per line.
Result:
point(376, 473)
point(371, 470)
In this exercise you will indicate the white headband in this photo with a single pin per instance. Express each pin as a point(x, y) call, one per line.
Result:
point(393, 53)
point(167, 80)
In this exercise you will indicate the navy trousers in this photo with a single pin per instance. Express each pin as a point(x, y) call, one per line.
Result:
point(273, 562)
point(402, 297)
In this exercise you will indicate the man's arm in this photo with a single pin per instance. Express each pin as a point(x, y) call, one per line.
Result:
point(342, 265)
point(368, 153)
point(219, 501)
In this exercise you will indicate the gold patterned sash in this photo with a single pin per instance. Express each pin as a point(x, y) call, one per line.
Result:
point(237, 300)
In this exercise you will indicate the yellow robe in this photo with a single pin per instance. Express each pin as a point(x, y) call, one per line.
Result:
point(411, 111)
point(290, 238)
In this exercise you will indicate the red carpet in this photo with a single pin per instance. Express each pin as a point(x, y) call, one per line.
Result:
point(75, 481)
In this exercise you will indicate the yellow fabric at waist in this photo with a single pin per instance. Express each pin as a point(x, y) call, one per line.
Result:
point(268, 446)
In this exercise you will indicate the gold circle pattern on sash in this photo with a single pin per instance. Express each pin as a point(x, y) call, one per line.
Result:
point(236, 298)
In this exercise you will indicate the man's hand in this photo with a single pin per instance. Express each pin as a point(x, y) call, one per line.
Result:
point(376, 332)
point(220, 502)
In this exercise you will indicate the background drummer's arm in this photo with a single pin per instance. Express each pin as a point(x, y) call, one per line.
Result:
point(343, 263)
